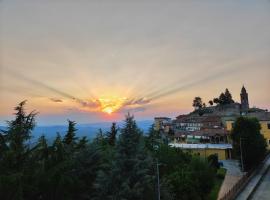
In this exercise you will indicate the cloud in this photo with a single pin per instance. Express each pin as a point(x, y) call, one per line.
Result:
point(56, 100)
point(93, 104)
point(131, 110)
point(140, 101)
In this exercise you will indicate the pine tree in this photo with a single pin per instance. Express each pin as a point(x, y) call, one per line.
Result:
point(228, 97)
point(70, 138)
point(111, 135)
point(131, 175)
point(15, 153)
point(58, 150)
point(82, 143)
point(154, 140)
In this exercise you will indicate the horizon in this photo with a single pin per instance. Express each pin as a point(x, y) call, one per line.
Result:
point(94, 62)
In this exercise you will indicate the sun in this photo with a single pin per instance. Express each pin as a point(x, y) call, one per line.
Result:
point(111, 104)
point(108, 110)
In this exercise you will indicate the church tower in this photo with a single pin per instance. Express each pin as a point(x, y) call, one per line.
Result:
point(244, 99)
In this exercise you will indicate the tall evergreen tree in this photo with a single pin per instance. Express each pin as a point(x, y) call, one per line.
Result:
point(154, 140)
point(70, 138)
point(111, 135)
point(131, 174)
point(14, 154)
point(228, 97)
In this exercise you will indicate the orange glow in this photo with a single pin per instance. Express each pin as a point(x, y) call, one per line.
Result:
point(111, 104)
point(108, 110)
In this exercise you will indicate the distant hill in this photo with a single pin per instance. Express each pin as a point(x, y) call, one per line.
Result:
point(88, 130)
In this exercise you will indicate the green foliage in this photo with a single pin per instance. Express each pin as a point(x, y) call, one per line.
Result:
point(108, 167)
point(213, 195)
point(221, 172)
point(70, 138)
point(130, 175)
point(154, 140)
point(197, 103)
point(224, 98)
point(192, 181)
point(253, 144)
point(111, 135)
point(213, 160)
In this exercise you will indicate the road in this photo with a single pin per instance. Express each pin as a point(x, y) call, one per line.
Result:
point(255, 180)
point(232, 176)
point(263, 191)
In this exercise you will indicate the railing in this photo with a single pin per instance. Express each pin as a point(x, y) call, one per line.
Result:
point(242, 182)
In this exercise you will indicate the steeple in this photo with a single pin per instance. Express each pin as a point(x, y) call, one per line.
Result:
point(244, 99)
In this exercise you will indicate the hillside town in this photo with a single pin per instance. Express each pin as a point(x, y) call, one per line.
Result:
point(207, 129)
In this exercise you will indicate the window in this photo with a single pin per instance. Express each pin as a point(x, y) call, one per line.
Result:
point(268, 125)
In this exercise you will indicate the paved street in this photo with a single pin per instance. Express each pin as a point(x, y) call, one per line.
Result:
point(245, 194)
point(232, 176)
point(263, 191)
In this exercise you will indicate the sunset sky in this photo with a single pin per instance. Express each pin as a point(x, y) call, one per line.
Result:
point(94, 61)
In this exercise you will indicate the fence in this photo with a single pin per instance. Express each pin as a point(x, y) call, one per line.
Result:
point(241, 183)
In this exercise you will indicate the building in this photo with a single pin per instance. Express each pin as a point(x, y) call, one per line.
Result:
point(223, 151)
point(163, 124)
point(187, 123)
point(264, 119)
point(212, 127)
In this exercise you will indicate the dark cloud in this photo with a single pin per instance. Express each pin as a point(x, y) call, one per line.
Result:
point(56, 100)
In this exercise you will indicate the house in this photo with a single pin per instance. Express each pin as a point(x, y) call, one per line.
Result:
point(163, 124)
point(223, 151)
point(264, 119)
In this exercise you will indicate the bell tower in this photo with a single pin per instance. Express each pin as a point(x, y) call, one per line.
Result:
point(244, 99)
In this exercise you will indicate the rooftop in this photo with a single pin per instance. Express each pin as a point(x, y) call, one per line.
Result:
point(201, 146)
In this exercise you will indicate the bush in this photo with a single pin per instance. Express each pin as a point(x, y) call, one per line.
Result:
point(221, 172)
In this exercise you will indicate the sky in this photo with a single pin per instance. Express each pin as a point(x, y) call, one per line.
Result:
point(94, 61)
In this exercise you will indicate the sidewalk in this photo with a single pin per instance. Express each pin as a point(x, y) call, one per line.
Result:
point(245, 194)
point(232, 176)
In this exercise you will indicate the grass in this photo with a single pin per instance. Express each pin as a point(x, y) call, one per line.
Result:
point(218, 182)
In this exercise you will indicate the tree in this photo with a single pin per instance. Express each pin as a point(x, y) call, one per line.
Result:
point(228, 97)
point(192, 180)
point(216, 101)
point(253, 145)
point(69, 138)
point(211, 103)
point(153, 140)
point(224, 98)
point(17, 133)
point(130, 174)
point(82, 143)
point(197, 103)
point(213, 161)
point(14, 154)
point(111, 135)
